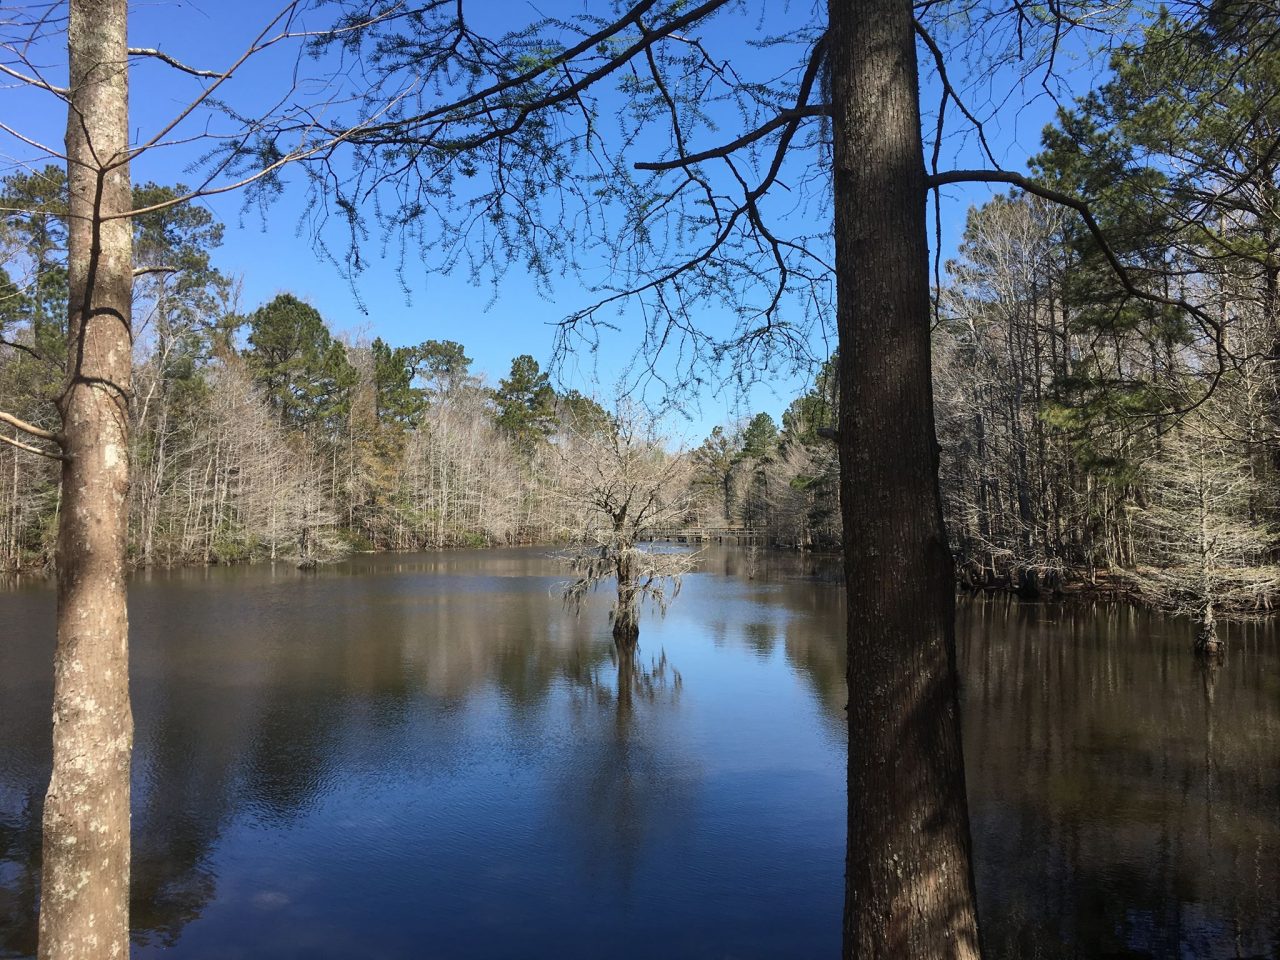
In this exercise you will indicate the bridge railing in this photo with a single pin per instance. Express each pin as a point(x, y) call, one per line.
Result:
point(701, 534)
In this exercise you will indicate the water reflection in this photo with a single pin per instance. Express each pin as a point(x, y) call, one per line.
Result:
point(426, 756)
point(1112, 816)
point(626, 786)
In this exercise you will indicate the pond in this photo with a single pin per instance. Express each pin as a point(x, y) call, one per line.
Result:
point(425, 756)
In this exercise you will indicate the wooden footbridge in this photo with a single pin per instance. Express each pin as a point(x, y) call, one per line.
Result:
point(694, 534)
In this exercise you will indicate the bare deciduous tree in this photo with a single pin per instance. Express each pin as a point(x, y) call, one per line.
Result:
point(618, 471)
point(1204, 555)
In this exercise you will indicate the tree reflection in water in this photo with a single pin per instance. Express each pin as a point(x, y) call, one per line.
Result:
point(317, 756)
point(623, 789)
point(1114, 815)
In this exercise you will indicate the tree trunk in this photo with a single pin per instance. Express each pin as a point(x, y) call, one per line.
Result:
point(909, 884)
point(84, 910)
point(1207, 643)
point(626, 615)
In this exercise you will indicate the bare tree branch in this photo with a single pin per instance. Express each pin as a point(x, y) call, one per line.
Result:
point(785, 118)
point(28, 428)
point(176, 64)
point(34, 81)
point(143, 271)
point(52, 455)
point(950, 92)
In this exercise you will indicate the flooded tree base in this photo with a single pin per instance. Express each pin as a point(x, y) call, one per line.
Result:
point(1209, 647)
point(626, 632)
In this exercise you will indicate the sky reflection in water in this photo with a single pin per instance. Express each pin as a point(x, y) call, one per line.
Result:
point(425, 756)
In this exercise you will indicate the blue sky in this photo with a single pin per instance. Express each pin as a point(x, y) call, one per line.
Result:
point(271, 251)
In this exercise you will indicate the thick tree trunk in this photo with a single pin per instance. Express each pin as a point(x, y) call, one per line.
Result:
point(626, 615)
point(84, 910)
point(909, 884)
point(626, 610)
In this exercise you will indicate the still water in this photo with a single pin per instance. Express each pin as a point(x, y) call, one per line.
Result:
point(424, 755)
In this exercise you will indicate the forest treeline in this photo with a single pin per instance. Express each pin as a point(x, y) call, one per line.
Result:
point(259, 434)
point(1096, 419)
point(1085, 429)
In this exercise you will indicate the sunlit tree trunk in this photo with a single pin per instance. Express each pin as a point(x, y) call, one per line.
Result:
point(909, 886)
point(84, 910)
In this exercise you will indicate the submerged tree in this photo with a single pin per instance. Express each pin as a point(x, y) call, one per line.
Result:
point(621, 475)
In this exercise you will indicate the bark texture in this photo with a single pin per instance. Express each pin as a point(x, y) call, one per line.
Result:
point(84, 910)
point(909, 884)
point(626, 610)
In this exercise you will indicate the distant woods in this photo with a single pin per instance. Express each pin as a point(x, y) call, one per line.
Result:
point(258, 434)
point(1094, 425)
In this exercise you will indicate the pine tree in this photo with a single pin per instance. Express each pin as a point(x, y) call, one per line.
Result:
point(713, 463)
point(525, 403)
point(397, 401)
point(304, 371)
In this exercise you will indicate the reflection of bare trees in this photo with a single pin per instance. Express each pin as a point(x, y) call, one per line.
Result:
point(631, 781)
point(188, 759)
point(796, 599)
point(20, 873)
point(1123, 797)
point(1123, 802)
point(263, 705)
point(632, 681)
point(1112, 813)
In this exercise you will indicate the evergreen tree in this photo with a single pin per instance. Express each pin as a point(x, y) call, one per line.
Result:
point(443, 366)
point(33, 228)
point(178, 292)
point(304, 371)
point(810, 457)
point(713, 464)
point(396, 400)
point(581, 413)
point(1179, 156)
point(814, 410)
point(759, 447)
point(760, 438)
point(525, 403)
